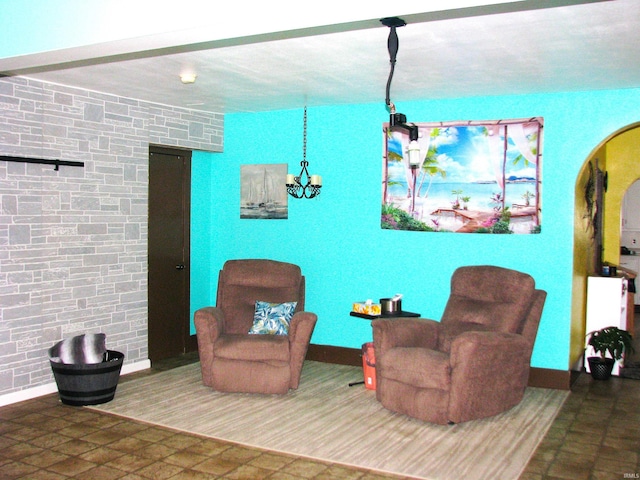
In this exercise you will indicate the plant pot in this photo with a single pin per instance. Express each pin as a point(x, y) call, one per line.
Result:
point(88, 383)
point(600, 368)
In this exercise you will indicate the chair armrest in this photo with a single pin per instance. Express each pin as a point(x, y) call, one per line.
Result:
point(404, 332)
point(489, 374)
point(494, 348)
point(300, 330)
point(301, 327)
point(209, 323)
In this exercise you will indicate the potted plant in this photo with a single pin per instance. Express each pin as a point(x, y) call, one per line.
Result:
point(609, 340)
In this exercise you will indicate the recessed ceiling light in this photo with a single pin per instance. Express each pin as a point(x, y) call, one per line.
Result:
point(188, 78)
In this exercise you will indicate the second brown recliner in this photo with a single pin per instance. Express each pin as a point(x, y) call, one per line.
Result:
point(474, 363)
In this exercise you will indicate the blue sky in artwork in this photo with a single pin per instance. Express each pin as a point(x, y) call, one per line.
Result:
point(463, 153)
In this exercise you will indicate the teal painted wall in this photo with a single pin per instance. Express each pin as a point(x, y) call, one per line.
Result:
point(202, 166)
point(337, 239)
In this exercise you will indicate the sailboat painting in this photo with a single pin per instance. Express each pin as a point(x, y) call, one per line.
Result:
point(263, 194)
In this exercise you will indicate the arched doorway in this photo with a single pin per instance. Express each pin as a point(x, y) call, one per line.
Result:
point(616, 156)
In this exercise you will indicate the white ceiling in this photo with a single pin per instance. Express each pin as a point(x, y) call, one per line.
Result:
point(525, 47)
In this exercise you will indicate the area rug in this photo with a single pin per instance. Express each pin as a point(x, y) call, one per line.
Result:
point(327, 420)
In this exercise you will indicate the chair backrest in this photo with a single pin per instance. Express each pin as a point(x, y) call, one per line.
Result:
point(243, 282)
point(498, 299)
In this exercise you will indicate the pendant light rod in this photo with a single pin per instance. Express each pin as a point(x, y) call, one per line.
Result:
point(392, 46)
point(396, 120)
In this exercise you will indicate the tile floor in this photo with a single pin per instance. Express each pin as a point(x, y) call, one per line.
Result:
point(596, 436)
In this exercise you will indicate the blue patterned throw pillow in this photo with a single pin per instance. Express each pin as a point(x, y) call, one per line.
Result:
point(272, 318)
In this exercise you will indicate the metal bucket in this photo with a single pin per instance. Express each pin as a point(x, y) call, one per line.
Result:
point(389, 305)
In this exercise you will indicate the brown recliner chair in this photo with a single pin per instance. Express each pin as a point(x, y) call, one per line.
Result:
point(231, 359)
point(474, 363)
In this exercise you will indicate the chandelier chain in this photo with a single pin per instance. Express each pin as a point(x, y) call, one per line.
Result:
point(304, 136)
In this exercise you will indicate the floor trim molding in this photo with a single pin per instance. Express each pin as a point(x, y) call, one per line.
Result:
point(538, 377)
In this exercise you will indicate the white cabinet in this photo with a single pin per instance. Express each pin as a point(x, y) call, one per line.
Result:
point(631, 208)
point(632, 262)
point(606, 307)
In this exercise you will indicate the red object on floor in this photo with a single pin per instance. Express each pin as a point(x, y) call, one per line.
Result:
point(369, 365)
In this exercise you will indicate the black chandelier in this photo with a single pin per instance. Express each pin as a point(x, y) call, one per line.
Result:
point(304, 185)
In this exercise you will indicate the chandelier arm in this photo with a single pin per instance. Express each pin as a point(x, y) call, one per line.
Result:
point(304, 171)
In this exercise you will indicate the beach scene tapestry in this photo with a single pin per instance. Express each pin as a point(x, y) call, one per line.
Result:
point(473, 177)
point(262, 191)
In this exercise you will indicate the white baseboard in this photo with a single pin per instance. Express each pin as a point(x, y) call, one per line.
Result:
point(41, 390)
point(135, 367)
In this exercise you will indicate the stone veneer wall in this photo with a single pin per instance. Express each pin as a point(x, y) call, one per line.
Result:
point(73, 242)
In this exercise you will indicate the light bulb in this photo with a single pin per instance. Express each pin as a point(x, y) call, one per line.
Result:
point(188, 78)
point(414, 153)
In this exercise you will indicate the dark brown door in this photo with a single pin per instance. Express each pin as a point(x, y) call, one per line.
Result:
point(169, 193)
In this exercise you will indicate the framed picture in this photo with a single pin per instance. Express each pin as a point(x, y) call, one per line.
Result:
point(472, 177)
point(263, 194)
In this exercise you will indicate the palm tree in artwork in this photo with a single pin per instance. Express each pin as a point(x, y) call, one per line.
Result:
point(533, 145)
point(391, 156)
point(431, 167)
point(533, 139)
point(493, 133)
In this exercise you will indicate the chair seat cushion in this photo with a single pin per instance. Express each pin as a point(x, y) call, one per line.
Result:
point(419, 367)
point(253, 347)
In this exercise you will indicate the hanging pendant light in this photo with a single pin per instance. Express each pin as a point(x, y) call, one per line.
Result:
point(304, 185)
point(397, 121)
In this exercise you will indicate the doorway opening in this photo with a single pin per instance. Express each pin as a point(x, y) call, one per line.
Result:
point(616, 156)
